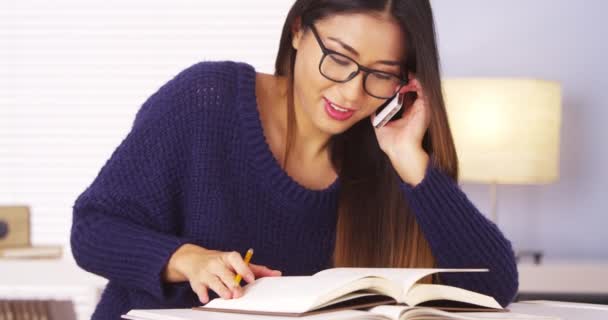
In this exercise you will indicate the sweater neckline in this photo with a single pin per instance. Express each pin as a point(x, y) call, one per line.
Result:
point(265, 165)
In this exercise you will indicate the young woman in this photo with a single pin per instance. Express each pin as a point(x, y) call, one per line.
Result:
point(223, 158)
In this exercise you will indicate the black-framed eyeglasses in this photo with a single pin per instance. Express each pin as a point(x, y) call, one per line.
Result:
point(341, 68)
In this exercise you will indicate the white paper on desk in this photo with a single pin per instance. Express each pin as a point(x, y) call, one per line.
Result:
point(189, 314)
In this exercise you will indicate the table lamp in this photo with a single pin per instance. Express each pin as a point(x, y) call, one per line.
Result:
point(506, 130)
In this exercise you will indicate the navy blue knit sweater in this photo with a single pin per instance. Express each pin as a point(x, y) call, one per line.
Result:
point(196, 168)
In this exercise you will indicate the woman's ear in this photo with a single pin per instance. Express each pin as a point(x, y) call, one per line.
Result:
point(296, 33)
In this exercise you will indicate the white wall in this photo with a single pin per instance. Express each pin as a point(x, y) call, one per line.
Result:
point(73, 74)
point(558, 40)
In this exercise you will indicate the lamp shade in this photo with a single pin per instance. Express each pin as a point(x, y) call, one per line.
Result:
point(506, 131)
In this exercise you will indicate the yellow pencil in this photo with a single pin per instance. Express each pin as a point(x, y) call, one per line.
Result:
point(237, 278)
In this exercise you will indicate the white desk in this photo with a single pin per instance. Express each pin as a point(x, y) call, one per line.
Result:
point(51, 279)
point(63, 279)
point(562, 310)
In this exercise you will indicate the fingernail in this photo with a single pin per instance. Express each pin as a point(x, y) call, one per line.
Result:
point(250, 278)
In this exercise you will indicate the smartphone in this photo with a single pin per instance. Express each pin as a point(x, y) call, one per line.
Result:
point(389, 111)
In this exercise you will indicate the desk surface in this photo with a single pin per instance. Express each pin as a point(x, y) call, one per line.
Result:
point(46, 272)
point(562, 310)
point(58, 279)
point(66, 273)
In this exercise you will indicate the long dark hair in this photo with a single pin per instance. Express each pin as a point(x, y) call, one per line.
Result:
point(376, 227)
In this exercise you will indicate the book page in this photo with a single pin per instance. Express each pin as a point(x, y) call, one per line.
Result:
point(400, 312)
point(290, 294)
point(275, 294)
point(503, 316)
point(393, 312)
point(377, 313)
point(404, 277)
point(420, 293)
point(190, 314)
point(299, 294)
point(346, 297)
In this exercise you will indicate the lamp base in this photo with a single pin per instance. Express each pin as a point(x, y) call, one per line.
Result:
point(536, 255)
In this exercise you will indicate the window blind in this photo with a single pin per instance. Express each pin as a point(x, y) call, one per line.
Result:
point(74, 73)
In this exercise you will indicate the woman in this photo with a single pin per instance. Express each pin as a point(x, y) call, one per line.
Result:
point(222, 158)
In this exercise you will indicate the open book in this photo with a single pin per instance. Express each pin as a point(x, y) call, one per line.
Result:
point(386, 312)
point(347, 288)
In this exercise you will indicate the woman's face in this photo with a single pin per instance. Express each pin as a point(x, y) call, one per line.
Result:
point(374, 39)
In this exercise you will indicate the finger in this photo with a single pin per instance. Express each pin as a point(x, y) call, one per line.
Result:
point(235, 260)
point(227, 278)
point(237, 292)
point(222, 270)
point(200, 290)
point(216, 285)
point(263, 271)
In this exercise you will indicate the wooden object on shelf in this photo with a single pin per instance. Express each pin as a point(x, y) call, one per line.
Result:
point(14, 226)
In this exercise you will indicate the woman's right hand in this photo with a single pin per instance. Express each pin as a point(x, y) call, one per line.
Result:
point(211, 269)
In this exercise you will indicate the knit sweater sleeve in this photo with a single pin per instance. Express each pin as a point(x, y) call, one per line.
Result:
point(126, 223)
point(461, 237)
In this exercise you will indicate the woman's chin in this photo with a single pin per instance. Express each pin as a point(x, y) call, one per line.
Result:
point(333, 127)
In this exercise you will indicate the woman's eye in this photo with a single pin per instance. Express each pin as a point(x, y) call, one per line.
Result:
point(340, 61)
point(381, 76)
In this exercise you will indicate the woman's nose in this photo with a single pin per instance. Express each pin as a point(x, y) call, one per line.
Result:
point(353, 90)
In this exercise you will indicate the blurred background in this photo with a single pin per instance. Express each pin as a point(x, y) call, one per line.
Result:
point(73, 74)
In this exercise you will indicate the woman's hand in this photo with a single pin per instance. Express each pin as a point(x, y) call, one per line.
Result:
point(401, 139)
point(215, 270)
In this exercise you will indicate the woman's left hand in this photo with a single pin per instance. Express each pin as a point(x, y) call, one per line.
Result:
point(401, 139)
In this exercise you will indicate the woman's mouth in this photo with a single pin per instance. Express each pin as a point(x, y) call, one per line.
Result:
point(336, 112)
